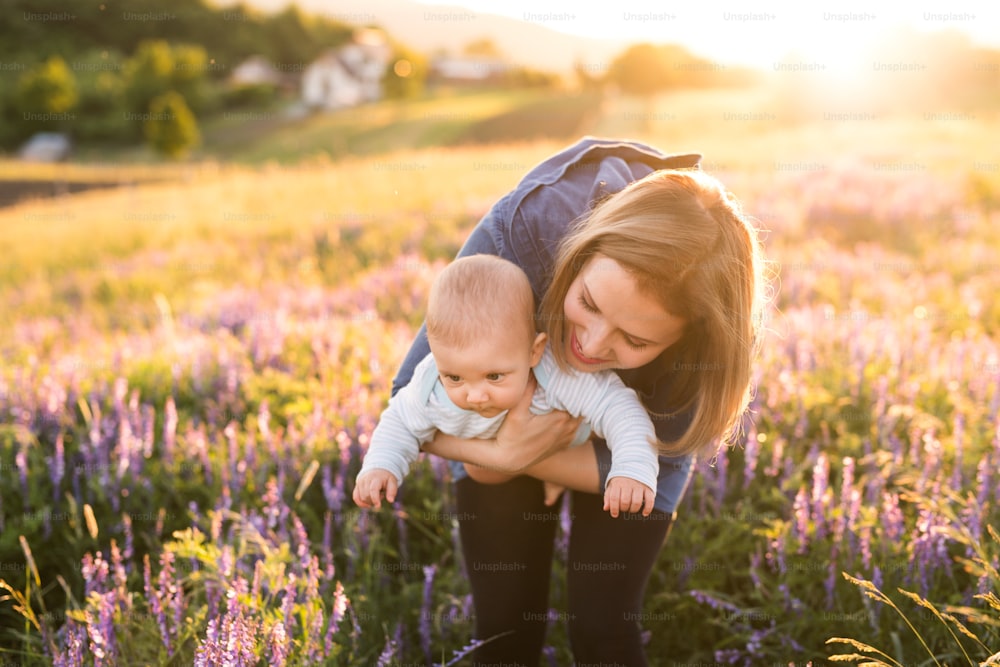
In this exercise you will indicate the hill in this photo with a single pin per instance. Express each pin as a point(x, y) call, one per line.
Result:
point(433, 27)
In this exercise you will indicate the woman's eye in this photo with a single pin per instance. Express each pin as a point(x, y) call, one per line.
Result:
point(632, 344)
point(586, 305)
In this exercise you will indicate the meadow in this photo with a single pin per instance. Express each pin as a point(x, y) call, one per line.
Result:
point(192, 367)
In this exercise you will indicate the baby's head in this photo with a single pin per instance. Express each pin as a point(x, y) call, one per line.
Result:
point(481, 330)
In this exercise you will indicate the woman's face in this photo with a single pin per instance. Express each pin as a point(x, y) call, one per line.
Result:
point(610, 323)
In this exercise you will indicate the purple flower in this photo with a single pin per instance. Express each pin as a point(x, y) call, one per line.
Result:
point(714, 602)
point(278, 645)
point(97, 645)
point(721, 465)
point(425, 612)
point(21, 461)
point(169, 430)
point(820, 494)
point(751, 455)
point(95, 573)
point(389, 653)
point(877, 582)
point(340, 602)
point(153, 598)
point(288, 603)
point(328, 543)
point(58, 466)
point(866, 546)
point(72, 654)
point(892, 517)
point(127, 552)
point(983, 473)
point(832, 575)
point(800, 509)
point(777, 454)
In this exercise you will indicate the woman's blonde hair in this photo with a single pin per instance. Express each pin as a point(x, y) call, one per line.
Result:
point(684, 240)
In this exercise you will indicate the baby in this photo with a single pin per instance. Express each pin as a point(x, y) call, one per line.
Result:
point(484, 347)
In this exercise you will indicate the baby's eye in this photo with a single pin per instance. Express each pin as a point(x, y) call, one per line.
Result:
point(494, 377)
point(452, 378)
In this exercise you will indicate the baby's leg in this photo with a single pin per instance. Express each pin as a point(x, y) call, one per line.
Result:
point(487, 476)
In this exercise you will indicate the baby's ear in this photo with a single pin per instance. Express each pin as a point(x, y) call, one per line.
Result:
point(537, 348)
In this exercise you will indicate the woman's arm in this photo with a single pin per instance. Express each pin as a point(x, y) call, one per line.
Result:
point(528, 444)
point(575, 468)
point(523, 440)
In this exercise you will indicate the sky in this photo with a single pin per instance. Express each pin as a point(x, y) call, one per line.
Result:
point(756, 34)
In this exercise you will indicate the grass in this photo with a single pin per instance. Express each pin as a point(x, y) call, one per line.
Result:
point(306, 280)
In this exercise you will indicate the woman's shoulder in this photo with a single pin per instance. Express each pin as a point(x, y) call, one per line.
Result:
point(530, 221)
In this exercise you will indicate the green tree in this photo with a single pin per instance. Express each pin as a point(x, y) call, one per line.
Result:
point(189, 79)
point(641, 70)
point(484, 47)
point(405, 75)
point(149, 73)
point(48, 88)
point(101, 107)
point(170, 126)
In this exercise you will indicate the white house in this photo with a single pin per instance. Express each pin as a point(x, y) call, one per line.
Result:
point(349, 75)
point(467, 69)
point(255, 70)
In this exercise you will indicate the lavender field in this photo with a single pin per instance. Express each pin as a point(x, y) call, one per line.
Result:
point(184, 406)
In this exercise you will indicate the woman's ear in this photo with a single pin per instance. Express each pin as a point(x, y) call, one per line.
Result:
point(537, 348)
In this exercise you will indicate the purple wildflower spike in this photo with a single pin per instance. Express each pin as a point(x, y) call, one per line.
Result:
point(892, 517)
point(97, 647)
point(465, 651)
point(278, 645)
point(340, 602)
point(288, 603)
point(153, 598)
point(425, 612)
point(58, 470)
point(800, 508)
point(983, 473)
point(820, 494)
point(127, 552)
point(169, 431)
point(389, 653)
point(777, 454)
point(751, 454)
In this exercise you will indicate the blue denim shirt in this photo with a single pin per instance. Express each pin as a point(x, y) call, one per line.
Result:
point(526, 227)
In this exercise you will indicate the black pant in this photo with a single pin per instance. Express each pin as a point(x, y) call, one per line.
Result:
point(508, 535)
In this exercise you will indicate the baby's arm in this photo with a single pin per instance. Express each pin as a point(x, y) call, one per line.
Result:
point(615, 413)
point(394, 446)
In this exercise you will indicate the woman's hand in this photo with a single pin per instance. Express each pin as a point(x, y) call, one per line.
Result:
point(525, 438)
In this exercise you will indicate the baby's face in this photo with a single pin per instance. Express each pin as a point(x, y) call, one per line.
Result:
point(489, 376)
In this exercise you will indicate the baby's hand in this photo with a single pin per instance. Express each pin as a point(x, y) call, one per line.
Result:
point(369, 487)
point(628, 495)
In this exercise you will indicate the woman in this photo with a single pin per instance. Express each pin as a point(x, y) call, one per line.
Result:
point(642, 264)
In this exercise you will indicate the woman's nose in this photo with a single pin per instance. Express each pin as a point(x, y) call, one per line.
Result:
point(593, 342)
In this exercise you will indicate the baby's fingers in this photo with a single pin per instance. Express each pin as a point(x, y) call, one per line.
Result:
point(390, 489)
point(612, 500)
point(648, 498)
